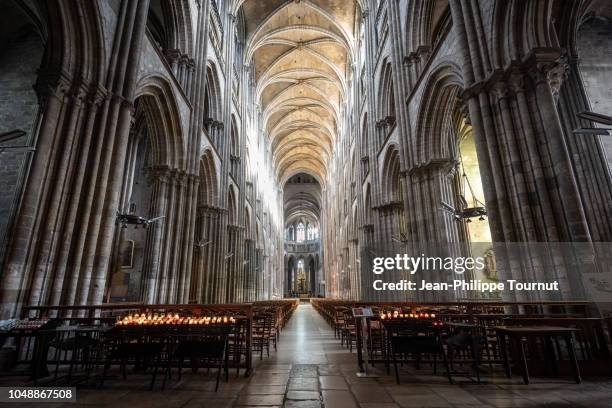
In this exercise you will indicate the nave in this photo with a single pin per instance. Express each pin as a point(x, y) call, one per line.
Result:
point(177, 175)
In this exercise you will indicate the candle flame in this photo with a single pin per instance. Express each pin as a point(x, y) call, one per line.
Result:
point(142, 319)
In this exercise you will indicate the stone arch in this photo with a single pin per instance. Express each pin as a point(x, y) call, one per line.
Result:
point(207, 193)
point(426, 21)
point(234, 138)
point(155, 162)
point(21, 56)
point(247, 223)
point(169, 22)
point(234, 148)
point(353, 174)
point(393, 193)
point(247, 166)
point(261, 243)
point(76, 27)
point(232, 206)
point(290, 266)
point(569, 18)
point(69, 84)
point(391, 175)
point(434, 120)
point(584, 30)
point(368, 217)
point(155, 98)
point(441, 125)
point(365, 136)
point(212, 95)
point(386, 100)
point(310, 267)
point(518, 27)
point(170, 30)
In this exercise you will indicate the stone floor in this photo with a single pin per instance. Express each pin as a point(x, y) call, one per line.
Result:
point(311, 370)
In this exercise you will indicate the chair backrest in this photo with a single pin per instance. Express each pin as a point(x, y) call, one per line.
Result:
point(349, 319)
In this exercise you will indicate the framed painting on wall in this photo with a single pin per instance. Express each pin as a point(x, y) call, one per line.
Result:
point(126, 252)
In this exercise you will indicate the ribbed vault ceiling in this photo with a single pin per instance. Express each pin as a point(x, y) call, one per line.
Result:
point(300, 51)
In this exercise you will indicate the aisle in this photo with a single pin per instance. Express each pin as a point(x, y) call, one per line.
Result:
point(308, 369)
point(308, 339)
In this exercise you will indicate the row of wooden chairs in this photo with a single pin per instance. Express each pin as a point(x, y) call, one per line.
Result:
point(86, 344)
point(470, 339)
point(268, 321)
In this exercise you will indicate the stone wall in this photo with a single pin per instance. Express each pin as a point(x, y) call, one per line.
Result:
point(594, 49)
point(18, 109)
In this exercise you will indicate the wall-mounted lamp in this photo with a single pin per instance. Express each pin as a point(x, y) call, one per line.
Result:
point(595, 117)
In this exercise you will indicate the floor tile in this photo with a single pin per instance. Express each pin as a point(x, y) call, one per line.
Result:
point(333, 382)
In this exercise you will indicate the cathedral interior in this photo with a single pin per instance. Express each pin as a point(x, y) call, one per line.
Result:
point(247, 160)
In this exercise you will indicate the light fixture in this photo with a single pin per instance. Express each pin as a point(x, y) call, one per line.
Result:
point(18, 148)
point(466, 213)
point(592, 131)
point(595, 117)
point(201, 244)
point(12, 135)
point(132, 219)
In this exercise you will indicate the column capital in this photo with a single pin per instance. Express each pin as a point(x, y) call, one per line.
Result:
point(52, 83)
point(516, 82)
point(96, 95)
point(160, 173)
point(556, 74)
point(500, 89)
point(432, 166)
point(173, 55)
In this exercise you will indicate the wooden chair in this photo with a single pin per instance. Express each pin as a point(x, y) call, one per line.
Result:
point(416, 338)
point(203, 347)
point(349, 330)
point(262, 331)
point(139, 346)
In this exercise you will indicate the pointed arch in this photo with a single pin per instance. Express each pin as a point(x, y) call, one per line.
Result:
point(426, 22)
point(365, 136)
point(212, 95)
point(155, 96)
point(386, 97)
point(247, 223)
point(234, 138)
point(232, 206)
point(435, 117)
point(207, 193)
point(74, 38)
point(391, 176)
point(368, 218)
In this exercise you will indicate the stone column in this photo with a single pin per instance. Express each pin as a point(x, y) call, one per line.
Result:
point(587, 155)
point(529, 177)
point(195, 88)
point(21, 254)
point(152, 268)
point(56, 236)
point(115, 131)
point(402, 89)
